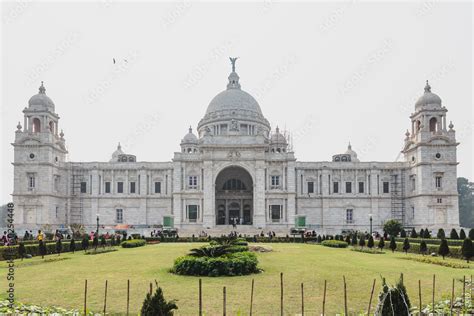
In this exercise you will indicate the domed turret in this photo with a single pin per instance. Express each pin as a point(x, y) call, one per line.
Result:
point(41, 101)
point(117, 153)
point(278, 142)
point(189, 142)
point(351, 153)
point(428, 99)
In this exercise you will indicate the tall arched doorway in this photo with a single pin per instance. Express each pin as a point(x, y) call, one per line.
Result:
point(234, 197)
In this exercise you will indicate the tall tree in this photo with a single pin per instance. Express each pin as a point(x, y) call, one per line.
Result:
point(381, 244)
point(467, 249)
point(406, 245)
point(362, 241)
point(370, 243)
point(466, 202)
point(443, 248)
point(393, 243)
point(423, 247)
point(454, 234)
point(392, 227)
point(441, 234)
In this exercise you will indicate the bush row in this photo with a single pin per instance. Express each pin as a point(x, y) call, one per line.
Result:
point(33, 249)
point(238, 263)
point(334, 243)
point(432, 241)
point(454, 251)
point(248, 239)
point(132, 243)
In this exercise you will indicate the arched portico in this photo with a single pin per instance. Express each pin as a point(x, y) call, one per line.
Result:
point(234, 196)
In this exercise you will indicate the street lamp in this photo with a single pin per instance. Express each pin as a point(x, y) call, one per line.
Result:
point(370, 218)
point(97, 231)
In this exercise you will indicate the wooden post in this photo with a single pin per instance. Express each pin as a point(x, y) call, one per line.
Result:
point(302, 300)
point(324, 297)
point(434, 286)
point(200, 297)
point(470, 290)
point(463, 292)
point(371, 295)
point(128, 297)
point(85, 298)
point(419, 295)
point(151, 288)
point(105, 298)
point(281, 293)
point(224, 309)
point(251, 298)
point(345, 296)
point(452, 298)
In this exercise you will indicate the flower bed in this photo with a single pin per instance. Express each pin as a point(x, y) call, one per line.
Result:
point(334, 243)
point(132, 243)
point(237, 263)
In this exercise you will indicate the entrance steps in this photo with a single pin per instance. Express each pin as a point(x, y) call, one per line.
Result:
point(249, 230)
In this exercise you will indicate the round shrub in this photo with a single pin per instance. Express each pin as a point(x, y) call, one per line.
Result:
point(334, 243)
point(237, 263)
point(132, 243)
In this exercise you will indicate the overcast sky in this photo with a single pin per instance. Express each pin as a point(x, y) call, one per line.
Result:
point(329, 73)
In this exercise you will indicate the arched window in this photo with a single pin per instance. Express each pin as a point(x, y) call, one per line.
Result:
point(433, 123)
point(51, 127)
point(418, 125)
point(234, 184)
point(36, 125)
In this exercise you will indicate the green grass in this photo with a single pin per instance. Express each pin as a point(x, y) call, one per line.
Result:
point(61, 283)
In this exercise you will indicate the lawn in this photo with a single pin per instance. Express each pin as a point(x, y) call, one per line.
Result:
point(61, 283)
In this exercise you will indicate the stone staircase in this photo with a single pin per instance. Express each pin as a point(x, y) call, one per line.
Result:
point(219, 230)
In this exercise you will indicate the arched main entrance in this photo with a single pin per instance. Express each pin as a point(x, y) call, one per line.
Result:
point(234, 197)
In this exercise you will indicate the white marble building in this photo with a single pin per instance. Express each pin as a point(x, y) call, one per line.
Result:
point(236, 169)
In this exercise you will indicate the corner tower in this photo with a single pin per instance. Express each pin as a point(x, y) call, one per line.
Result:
point(430, 151)
point(40, 179)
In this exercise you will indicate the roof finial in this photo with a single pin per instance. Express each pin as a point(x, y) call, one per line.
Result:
point(233, 60)
point(42, 89)
point(119, 147)
point(277, 130)
point(349, 146)
point(190, 129)
point(427, 87)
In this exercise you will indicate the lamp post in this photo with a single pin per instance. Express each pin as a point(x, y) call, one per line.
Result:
point(97, 230)
point(370, 218)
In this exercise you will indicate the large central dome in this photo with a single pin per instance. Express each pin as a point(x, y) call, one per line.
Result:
point(233, 110)
point(233, 99)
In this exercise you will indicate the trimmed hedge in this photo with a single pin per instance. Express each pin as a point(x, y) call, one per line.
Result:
point(454, 251)
point(132, 243)
point(33, 249)
point(334, 243)
point(238, 263)
point(432, 241)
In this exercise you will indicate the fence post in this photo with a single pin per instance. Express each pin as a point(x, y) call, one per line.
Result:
point(85, 298)
point(302, 300)
point(281, 293)
point(434, 286)
point(224, 309)
point(128, 297)
point(251, 298)
point(324, 297)
point(345, 296)
point(151, 288)
point(419, 295)
point(371, 295)
point(200, 297)
point(105, 297)
point(452, 298)
point(463, 292)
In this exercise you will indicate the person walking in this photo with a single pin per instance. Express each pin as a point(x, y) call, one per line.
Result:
point(5, 238)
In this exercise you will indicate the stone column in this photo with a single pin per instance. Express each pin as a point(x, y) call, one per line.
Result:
point(259, 194)
point(209, 196)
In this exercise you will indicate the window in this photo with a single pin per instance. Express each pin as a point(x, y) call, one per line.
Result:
point(310, 187)
point(413, 183)
point(348, 187)
point(192, 212)
point(361, 187)
point(440, 200)
point(118, 215)
point(107, 187)
point(386, 187)
point(132, 187)
point(83, 187)
point(119, 187)
point(234, 185)
point(438, 182)
point(335, 187)
point(57, 211)
point(157, 187)
point(276, 213)
point(56, 183)
point(349, 216)
point(275, 182)
point(192, 182)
